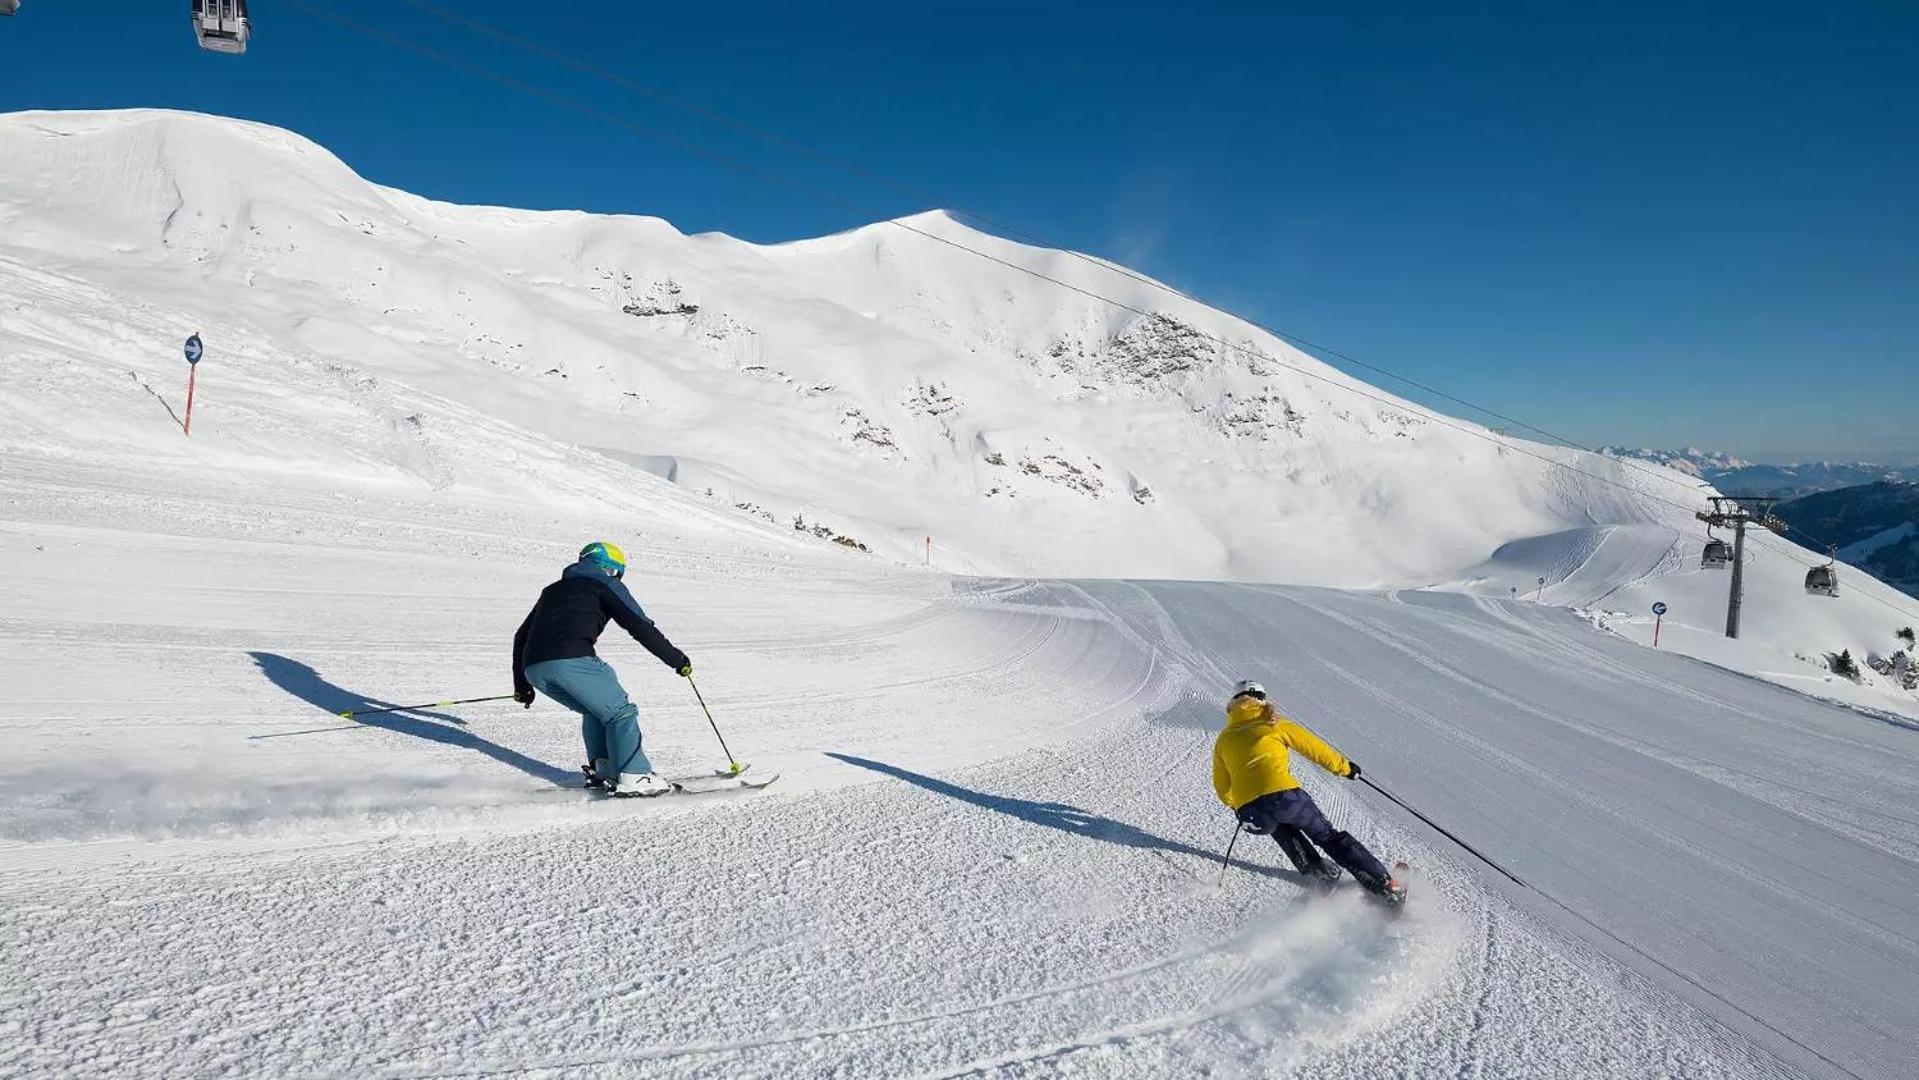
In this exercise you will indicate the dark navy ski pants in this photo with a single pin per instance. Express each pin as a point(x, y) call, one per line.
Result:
point(1281, 812)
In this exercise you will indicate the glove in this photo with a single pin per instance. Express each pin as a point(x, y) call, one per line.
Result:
point(524, 697)
point(686, 670)
point(1352, 770)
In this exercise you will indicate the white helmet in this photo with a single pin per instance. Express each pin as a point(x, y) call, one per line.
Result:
point(1249, 688)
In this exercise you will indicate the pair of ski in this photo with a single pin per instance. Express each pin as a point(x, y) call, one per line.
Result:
point(704, 783)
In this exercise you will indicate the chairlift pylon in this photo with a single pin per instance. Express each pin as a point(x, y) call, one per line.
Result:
point(222, 25)
point(1824, 580)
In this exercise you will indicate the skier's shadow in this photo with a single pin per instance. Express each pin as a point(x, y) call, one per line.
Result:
point(303, 682)
point(1060, 816)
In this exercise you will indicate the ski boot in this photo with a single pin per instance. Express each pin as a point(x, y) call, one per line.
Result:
point(1324, 879)
point(594, 781)
point(1390, 891)
point(644, 785)
point(1394, 893)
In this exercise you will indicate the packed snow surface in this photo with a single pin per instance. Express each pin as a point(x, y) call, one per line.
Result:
point(994, 848)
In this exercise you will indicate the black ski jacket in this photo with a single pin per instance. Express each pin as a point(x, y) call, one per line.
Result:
point(570, 615)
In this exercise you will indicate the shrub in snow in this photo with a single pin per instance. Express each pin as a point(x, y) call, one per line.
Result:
point(931, 400)
point(861, 431)
point(1905, 634)
point(1843, 664)
point(1904, 669)
point(800, 524)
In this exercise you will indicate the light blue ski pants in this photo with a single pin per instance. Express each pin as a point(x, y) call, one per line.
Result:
point(609, 721)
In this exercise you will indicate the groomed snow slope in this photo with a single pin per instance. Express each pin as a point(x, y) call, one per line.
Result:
point(994, 849)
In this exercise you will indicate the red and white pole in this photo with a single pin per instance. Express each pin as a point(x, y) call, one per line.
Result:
point(186, 425)
point(194, 350)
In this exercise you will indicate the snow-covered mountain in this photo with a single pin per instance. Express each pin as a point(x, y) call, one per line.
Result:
point(1691, 461)
point(886, 384)
point(906, 382)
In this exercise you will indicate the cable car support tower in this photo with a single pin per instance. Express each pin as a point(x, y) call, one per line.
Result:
point(1736, 513)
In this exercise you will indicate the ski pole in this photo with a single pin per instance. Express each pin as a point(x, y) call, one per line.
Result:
point(732, 764)
point(308, 731)
point(351, 713)
point(1447, 833)
point(1228, 860)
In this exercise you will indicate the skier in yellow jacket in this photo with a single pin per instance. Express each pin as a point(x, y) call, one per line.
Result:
point(1252, 773)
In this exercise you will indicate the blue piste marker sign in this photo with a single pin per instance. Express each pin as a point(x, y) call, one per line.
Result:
point(194, 351)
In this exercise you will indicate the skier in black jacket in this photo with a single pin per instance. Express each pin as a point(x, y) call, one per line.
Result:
point(553, 652)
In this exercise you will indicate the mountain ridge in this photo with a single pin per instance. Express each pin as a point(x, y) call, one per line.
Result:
point(1736, 476)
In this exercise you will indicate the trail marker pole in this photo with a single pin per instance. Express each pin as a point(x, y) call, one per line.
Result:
point(1658, 617)
point(1540, 591)
point(929, 553)
point(194, 351)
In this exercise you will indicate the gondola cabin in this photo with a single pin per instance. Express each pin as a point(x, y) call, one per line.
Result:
point(1822, 581)
point(222, 25)
point(1718, 553)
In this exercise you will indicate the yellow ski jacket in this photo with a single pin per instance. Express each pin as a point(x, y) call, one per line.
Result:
point(1252, 756)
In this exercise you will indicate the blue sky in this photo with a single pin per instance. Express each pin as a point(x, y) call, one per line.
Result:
point(1645, 223)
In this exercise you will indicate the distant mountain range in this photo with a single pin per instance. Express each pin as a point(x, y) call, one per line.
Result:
point(1875, 525)
point(1736, 476)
